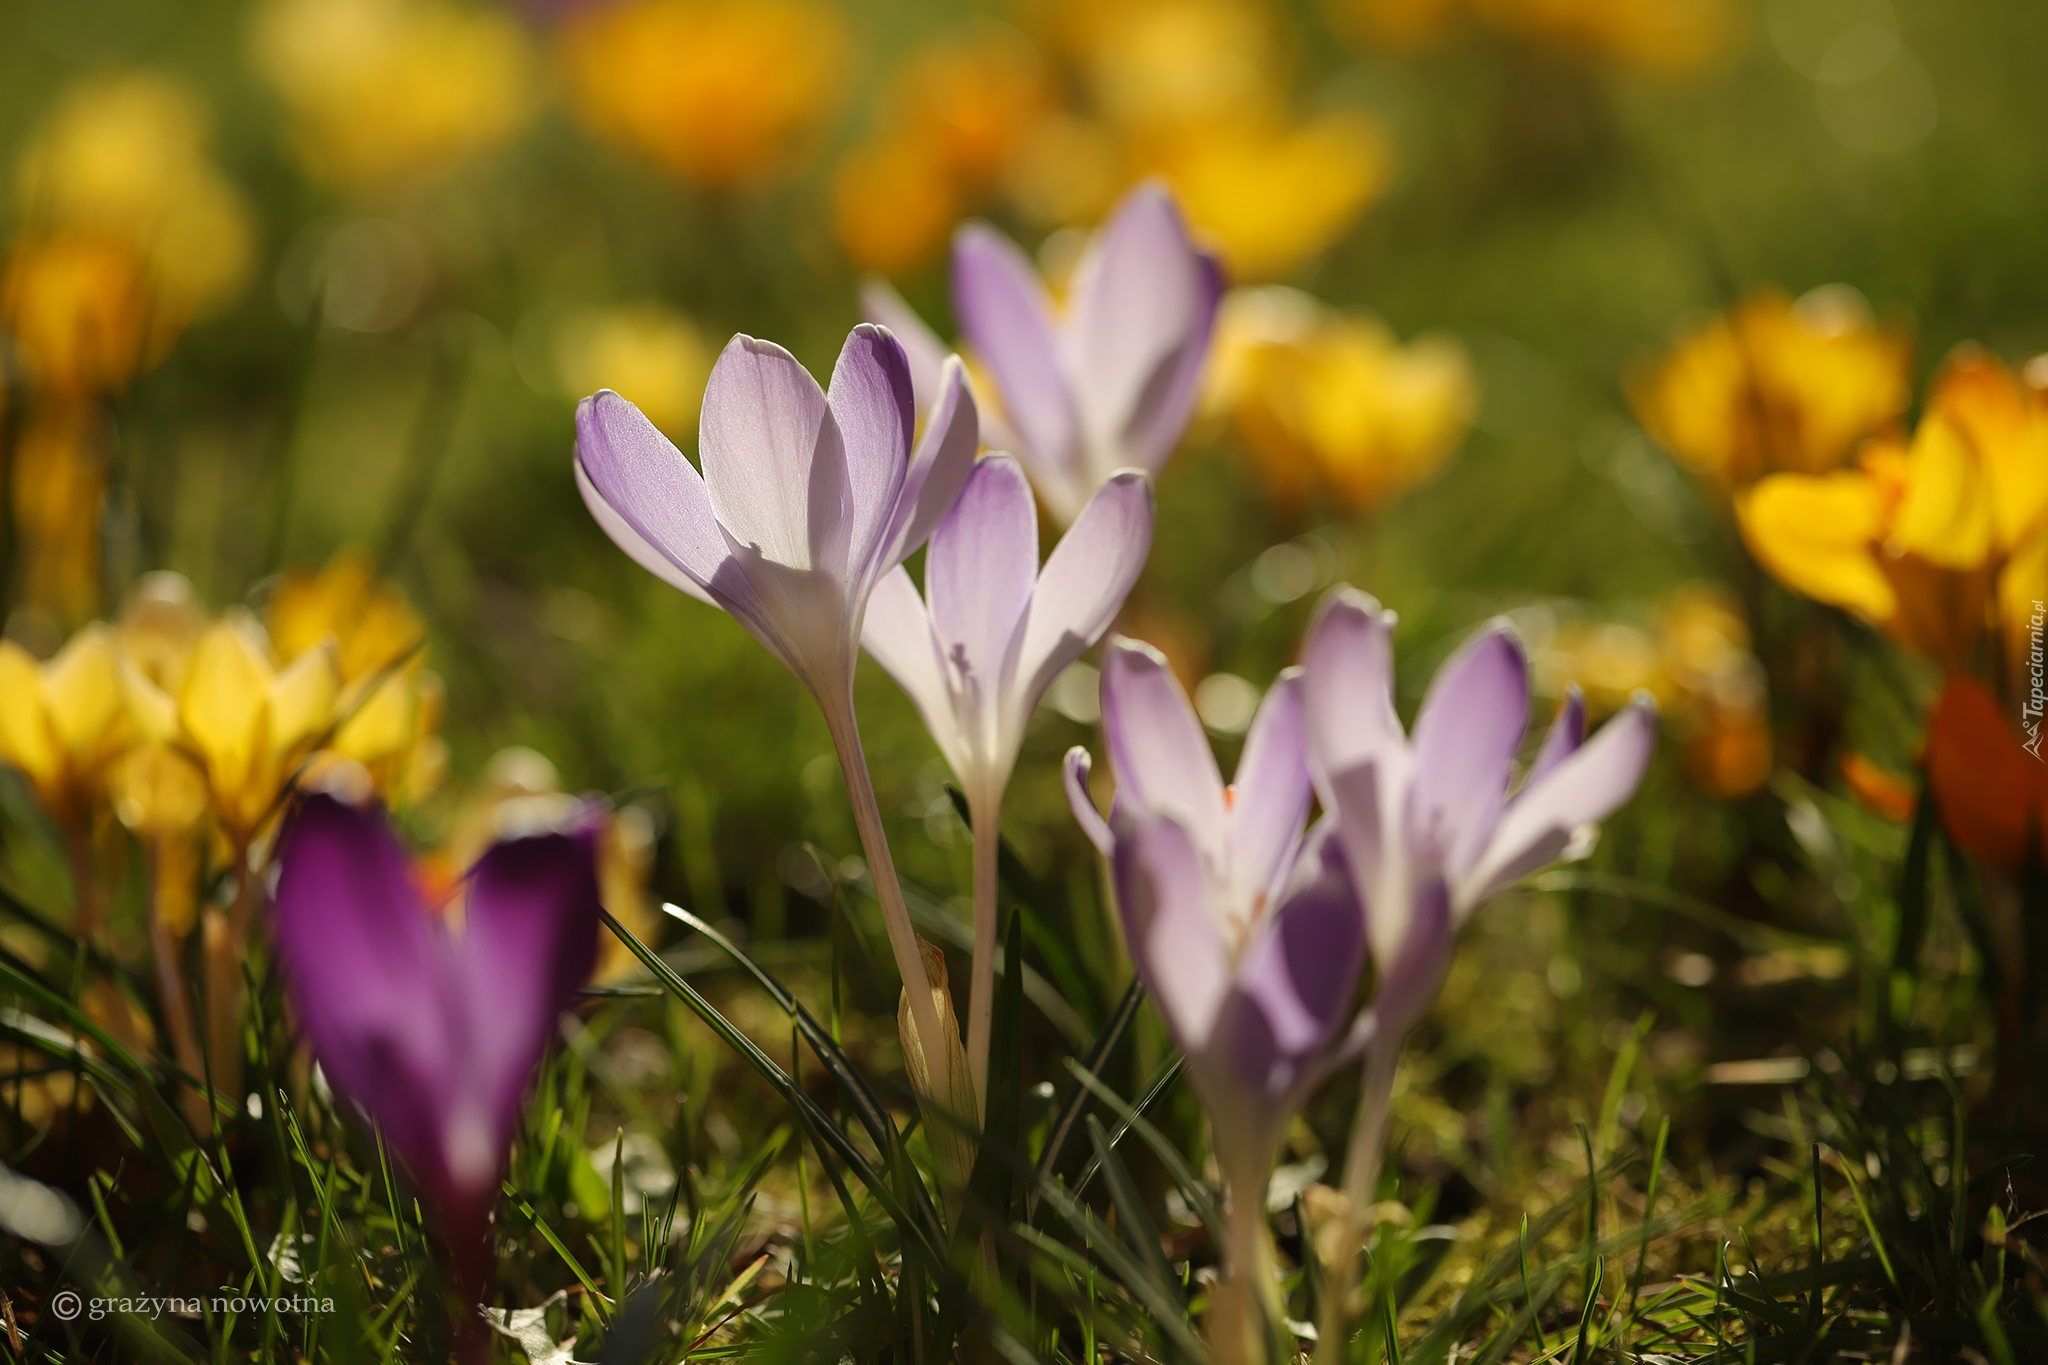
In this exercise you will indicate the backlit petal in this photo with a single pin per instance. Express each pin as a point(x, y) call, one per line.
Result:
point(1271, 794)
point(1160, 750)
point(1005, 315)
point(1174, 940)
point(872, 402)
point(1083, 585)
point(774, 461)
point(1466, 737)
point(979, 572)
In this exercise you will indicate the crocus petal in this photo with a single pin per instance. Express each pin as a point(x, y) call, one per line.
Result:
point(1083, 585)
point(1303, 961)
point(1075, 771)
point(1007, 318)
point(636, 547)
point(1567, 732)
point(979, 573)
point(1466, 737)
point(1174, 941)
point(1587, 787)
point(366, 972)
point(1144, 302)
point(1270, 796)
point(938, 468)
point(1348, 686)
point(922, 349)
point(872, 401)
point(1410, 978)
point(897, 633)
point(1360, 803)
point(774, 460)
point(1160, 750)
point(529, 941)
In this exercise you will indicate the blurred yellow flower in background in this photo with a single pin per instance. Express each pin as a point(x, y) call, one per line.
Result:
point(383, 90)
point(125, 156)
point(648, 352)
point(62, 722)
point(1917, 539)
point(78, 307)
point(955, 119)
point(59, 478)
point(720, 93)
point(1776, 385)
point(1328, 400)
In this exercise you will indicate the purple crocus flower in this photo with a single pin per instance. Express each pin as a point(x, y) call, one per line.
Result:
point(807, 498)
point(992, 631)
point(1106, 382)
point(1244, 928)
point(432, 1029)
point(1432, 825)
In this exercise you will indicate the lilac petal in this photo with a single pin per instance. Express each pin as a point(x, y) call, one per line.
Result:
point(1302, 963)
point(1144, 302)
point(938, 469)
point(1005, 315)
point(1083, 584)
point(978, 577)
point(897, 633)
point(1269, 799)
point(1567, 732)
point(1160, 750)
point(1466, 737)
point(1348, 686)
point(368, 973)
point(626, 538)
point(1075, 771)
point(633, 475)
point(1583, 789)
point(872, 402)
point(1174, 940)
point(529, 940)
point(1361, 808)
point(774, 460)
point(922, 349)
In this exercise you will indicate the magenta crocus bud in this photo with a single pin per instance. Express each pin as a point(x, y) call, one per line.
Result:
point(431, 1022)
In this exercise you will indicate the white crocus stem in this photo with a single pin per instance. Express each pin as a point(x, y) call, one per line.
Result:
point(1243, 1305)
point(1361, 1182)
point(984, 811)
point(874, 842)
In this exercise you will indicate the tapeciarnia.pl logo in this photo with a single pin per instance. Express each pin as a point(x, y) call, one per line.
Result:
point(2037, 694)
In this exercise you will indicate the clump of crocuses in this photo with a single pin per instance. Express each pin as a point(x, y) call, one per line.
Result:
point(430, 1018)
point(1251, 929)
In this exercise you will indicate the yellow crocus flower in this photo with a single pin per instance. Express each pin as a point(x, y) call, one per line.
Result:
point(61, 722)
point(1773, 385)
point(246, 721)
point(78, 306)
point(381, 91)
point(1333, 400)
point(720, 93)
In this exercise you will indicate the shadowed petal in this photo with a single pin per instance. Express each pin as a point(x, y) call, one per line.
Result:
point(1075, 772)
point(774, 460)
point(1144, 301)
point(898, 635)
point(1567, 732)
point(634, 475)
point(1270, 797)
point(1302, 963)
point(1466, 737)
point(1362, 808)
point(1083, 585)
point(939, 468)
point(922, 349)
point(978, 575)
point(626, 538)
point(1348, 686)
point(1161, 754)
point(872, 403)
point(1409, 978)
point(1006, 317)
point(529, 941)
point(1585, 788)
point(1174, 940)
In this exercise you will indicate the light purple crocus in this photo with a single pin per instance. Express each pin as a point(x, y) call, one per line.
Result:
point(432, 1027)
point(807, 498)
point(1243, 926)
point(991, 632)
point(1105, 382)
point(1433, 825)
